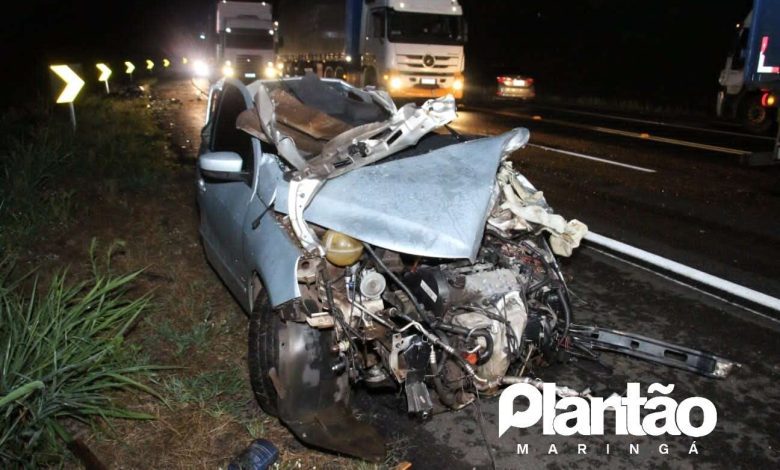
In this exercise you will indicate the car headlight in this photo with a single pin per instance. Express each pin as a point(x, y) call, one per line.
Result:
point(200, 68)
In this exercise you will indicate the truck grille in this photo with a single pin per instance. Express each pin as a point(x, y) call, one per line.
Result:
point(430, 62)
point(248, 63)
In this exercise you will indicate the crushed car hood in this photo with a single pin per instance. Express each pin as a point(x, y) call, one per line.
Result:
point(433, 205)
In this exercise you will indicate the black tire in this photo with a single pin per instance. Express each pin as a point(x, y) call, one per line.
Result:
point(315, 404)
point(264, 326)
point(754, 117)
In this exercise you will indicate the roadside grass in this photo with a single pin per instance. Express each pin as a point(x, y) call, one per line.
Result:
point(208, 413)
point(214, 391)
point(64, 357)
point(47, 169)
point(197, 336)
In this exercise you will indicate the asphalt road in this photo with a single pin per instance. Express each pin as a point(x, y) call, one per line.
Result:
point(698, 207)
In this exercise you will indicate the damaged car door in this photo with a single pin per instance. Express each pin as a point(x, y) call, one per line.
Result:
point(226, 181)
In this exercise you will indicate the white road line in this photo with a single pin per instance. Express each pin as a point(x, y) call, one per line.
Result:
point(666, 140)
point(656, 123)
point(635, 135)
point(579, 155)
point(701, 277)
point(595, 159)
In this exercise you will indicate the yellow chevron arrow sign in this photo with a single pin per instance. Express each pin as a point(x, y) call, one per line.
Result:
point(129, 67)
point(105, 72)
point(166, 63)
point(73, 83)
point(149, 64)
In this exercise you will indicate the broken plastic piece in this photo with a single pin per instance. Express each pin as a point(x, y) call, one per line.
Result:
point(529, 210)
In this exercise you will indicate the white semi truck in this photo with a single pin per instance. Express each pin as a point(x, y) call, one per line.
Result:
point(245, 40)
point(411, 48)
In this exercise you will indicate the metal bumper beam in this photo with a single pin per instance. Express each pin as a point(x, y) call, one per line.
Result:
point(653, 350)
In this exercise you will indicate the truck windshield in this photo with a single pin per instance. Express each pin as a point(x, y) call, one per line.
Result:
point(424, 28)
point(249, 39)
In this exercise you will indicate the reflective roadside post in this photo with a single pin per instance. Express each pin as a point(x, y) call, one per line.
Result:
point(73, 85)
point(105, 72)
point(129, 67)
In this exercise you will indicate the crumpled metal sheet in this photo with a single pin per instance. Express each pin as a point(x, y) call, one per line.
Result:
point(432, 205)
point(375, 141)
point(523, 208)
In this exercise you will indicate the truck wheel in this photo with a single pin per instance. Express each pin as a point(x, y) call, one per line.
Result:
point(754, 117)
point(264, 325)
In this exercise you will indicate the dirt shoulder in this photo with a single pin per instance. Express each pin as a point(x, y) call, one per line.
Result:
point(194, 324)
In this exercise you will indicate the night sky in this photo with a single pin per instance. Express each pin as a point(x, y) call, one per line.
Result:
point(668, 51)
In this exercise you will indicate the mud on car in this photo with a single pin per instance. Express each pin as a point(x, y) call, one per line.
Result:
point(374, 246)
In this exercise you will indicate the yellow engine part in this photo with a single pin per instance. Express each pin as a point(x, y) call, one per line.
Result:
point(340, 249)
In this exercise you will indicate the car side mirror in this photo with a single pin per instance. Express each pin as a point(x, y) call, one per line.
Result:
point(225, 166)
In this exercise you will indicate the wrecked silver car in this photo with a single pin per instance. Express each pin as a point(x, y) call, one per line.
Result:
point(374, 245)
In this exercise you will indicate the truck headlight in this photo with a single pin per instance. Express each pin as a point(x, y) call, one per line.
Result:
point(395, 83)
point(457, 85)
point(269, 72)
point(228, 71)
point(200, 68)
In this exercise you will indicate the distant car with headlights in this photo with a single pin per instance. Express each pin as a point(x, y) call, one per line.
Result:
point(513, 86)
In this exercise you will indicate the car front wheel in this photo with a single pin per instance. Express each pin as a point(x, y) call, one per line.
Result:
point(264, 326)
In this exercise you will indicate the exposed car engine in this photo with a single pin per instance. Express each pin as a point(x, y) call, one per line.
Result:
point(457, 327)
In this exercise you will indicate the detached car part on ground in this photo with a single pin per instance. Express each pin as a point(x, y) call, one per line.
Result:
point(373, 246)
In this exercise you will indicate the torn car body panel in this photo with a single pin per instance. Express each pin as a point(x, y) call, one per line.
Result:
point(432, 205)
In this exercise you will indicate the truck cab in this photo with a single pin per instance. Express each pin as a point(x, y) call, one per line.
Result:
point(414, 48)
point(245, 40)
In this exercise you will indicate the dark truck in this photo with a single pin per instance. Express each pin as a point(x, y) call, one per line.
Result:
point(751, 77)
